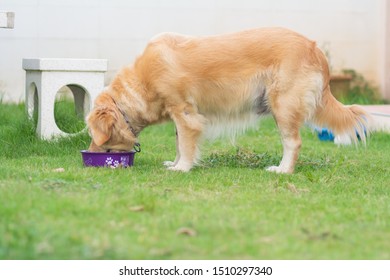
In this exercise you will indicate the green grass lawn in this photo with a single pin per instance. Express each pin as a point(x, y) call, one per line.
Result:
point(335, 206)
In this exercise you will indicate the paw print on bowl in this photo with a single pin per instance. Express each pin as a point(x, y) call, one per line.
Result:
point(105, 159)
point(109, 161)
point(125, 161)
point(112, 163)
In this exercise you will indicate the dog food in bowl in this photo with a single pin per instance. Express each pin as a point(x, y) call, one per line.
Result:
point(106, 159)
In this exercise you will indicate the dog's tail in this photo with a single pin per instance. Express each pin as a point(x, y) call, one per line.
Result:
point(344, 121)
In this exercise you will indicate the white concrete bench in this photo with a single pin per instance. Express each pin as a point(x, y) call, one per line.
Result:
point(45, 76)
point(7, 19)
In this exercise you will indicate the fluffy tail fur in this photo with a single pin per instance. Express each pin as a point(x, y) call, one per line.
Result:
point(344, 121)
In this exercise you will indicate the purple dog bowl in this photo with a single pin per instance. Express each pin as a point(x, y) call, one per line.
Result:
point(113, 160)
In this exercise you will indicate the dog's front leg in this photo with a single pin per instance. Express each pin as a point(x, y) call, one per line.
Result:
point(173, 163)
point(186, 146)
point(189, 127)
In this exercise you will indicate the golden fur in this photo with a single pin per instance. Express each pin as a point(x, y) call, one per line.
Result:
point(222, 84)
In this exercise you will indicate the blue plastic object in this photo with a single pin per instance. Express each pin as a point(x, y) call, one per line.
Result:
point(325, 134)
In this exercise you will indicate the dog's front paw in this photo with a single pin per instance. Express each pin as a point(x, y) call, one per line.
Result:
point(180, 167)
point(168, 163)
point(277, 169)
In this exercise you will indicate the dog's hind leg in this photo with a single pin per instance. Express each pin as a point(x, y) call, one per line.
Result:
point(289, 119)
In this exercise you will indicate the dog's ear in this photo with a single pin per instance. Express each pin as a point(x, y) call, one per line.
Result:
point(101, 122)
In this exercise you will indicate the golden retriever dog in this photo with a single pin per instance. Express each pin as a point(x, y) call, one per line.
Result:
point(222, 85)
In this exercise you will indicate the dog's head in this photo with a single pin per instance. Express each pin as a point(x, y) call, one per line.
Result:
point(108, 127)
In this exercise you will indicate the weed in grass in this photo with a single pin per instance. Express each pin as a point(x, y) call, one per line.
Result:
point(241, 159)
point(361, 91)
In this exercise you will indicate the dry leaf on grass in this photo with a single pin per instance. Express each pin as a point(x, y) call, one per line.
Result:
point(137, 208)
point(59, 170)
point(292, 188)
point(186, 231)
point(267, 239)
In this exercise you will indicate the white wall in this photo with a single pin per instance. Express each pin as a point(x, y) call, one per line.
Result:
point(352, 31)
point(385, 65)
